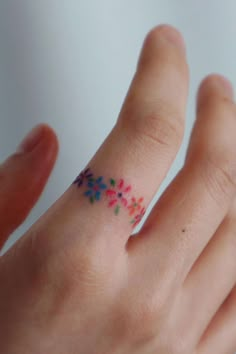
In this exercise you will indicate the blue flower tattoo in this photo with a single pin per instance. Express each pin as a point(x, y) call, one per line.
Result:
point(95, 189)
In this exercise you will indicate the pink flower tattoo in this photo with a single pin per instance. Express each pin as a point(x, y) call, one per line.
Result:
point(118, 194)
point(136, 220)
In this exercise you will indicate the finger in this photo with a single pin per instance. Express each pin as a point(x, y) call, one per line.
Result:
point(23, 176)
point(135, 157)
point(193, 206)
point(219, 337)
point(212, 277)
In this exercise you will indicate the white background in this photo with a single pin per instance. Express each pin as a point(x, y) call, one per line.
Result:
point(70, 63)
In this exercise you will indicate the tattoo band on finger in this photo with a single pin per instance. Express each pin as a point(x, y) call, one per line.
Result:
point(117, 192)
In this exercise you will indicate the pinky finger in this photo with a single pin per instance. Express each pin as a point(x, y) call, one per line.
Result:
point(220, 336)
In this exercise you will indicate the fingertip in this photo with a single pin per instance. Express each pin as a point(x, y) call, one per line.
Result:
point(49, 134)
point(213, 84)
point(168, 33)
point(51, 137)
point(165, 45)
point(40, 134)
point(49, 144)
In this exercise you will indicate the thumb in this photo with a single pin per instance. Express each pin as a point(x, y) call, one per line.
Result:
point(23, 176)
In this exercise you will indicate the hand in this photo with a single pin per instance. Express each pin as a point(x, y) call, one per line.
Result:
point(77, 282)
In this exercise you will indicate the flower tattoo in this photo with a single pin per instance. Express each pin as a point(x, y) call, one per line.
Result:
point(136, 220)
point(135, 205)
point(95, 188)
point(83, 176)
point(117, 192)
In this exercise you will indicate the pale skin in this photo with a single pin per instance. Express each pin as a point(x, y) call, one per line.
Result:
point(77, 282)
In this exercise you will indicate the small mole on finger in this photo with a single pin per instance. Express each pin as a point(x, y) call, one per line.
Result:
point(183, 230)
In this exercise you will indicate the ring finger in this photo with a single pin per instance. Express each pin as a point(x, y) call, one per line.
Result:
point(113, 191)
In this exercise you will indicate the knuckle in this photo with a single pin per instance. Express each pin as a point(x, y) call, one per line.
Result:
point(83, 272)
point(164, 132)
point(145, 314)
point(139, 319)
point(68, 268)
point(64, 275)
point(217, 154)
point(164, 127)
point(138, 323)
point(219, 175)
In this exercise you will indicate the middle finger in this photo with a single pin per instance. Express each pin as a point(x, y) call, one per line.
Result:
point(193, 206)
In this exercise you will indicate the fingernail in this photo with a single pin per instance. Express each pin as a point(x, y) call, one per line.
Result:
point(173, 36)
point(31, 140)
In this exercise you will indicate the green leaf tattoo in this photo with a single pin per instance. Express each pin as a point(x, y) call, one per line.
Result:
point(117, 209)
point(113, 182)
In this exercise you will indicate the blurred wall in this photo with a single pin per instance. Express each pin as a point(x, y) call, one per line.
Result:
point(69, 63)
